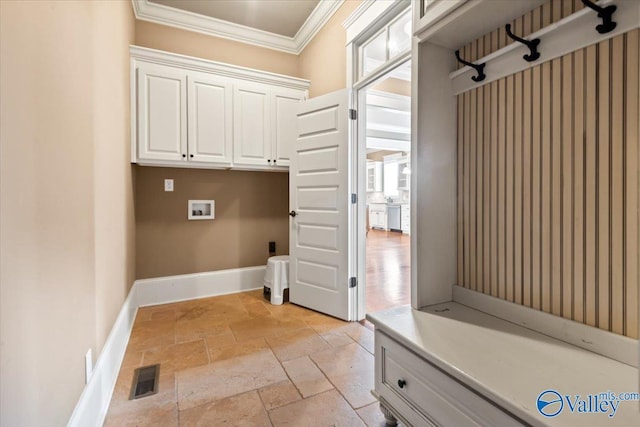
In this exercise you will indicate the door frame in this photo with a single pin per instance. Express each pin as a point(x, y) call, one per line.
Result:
point(365, 22)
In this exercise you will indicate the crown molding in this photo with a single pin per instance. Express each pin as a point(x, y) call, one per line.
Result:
point(160, 14)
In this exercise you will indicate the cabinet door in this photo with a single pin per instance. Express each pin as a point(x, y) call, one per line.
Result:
point(251, 126)
point(210, 119)
point(284, 131)
point(162, 113)
point(371, 177)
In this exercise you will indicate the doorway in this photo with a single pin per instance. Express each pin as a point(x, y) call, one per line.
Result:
point(386, 159)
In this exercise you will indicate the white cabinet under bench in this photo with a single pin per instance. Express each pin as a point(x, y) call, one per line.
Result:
point(453, 365)
point(191, 112)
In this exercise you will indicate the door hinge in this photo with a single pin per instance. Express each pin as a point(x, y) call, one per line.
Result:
point(353, 282)
point(353, 114)
point(354, 198)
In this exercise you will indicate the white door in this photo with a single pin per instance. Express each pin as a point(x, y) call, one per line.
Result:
point(319, 199)
point(210, 119)
point(162, 113)
point(251, 126)
point(283, 112)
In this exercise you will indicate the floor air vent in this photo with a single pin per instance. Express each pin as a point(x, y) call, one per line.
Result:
point(145, 382)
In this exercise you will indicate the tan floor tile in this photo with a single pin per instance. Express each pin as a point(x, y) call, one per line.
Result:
point(337, 339)
point(257, 309)
point(350, 369)
point(221, 340)
point(372, 416)
point(251, 296)
point(163, 315)
point(262, 326)
point(289, 311)
point(279, 394)
point(349, 333)
point(178, 356)
point(152, 417)
point(322, 323)
point(226, 378)
point(242, 410)
point(306, 376)
point(238, 349)
point(294, 344)
point(151, 334)
point(326, 409)
point(207, 323)
point(132, 359)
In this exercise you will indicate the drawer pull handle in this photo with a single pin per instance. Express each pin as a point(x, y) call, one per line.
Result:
point(402, 383)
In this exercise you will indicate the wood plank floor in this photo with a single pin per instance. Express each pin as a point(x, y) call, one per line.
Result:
point(388, 270)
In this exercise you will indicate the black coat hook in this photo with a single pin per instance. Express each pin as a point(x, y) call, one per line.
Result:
point(478, 67)
point(531, 44)
point(606, 13)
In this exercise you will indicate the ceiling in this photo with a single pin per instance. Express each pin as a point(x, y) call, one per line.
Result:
point(284, 17)
point(286, 25)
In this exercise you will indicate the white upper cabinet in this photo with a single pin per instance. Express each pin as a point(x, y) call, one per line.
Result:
point(251, 126)
point(283, 125)
point(190, 112)
point(210, 119)
point(162, 113)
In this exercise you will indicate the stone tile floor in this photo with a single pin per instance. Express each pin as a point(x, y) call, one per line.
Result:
point(236, 360)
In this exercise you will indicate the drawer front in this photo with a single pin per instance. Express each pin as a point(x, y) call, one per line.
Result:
point(404, 378)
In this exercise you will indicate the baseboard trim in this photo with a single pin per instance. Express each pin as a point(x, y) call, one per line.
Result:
point(93, 404)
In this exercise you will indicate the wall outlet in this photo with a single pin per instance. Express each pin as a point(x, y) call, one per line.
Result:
point(272, 247)
point(88, 366)
point(168, 185)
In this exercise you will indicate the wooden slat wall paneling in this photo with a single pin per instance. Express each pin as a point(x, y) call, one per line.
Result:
point(548, 183)
point(602, 155)
point(591, 93)
point(632, 176)
point(567, 186)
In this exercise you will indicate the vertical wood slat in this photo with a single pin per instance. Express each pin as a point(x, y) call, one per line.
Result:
point(510, 190)
point(632, 165)
point(536, 210)
point(546, 172)
point(578, 187)
point(502, 206)
point(591, 90)
point(479, 179)
point(460, 191)
point(616, 207)
point(468, 174)
point(518, 200)
point(602, 155)
point(486, 215)
point(527, 155)
point(493, 207)
point(472, 191)
point(556, 187)
point(567, 187)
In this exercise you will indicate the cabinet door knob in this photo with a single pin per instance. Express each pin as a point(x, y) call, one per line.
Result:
point(293, 213)
point(402, 383)
point(269, 160)
point(274, 161)
point(184, 155)
point(191, 155)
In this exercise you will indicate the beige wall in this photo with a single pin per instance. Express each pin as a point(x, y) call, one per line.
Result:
point(250, 210)
point(60, 112)
point(185, 42)
point(324, 59)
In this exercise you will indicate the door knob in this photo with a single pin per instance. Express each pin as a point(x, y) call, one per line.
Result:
point(401, 383)
point(293, 213)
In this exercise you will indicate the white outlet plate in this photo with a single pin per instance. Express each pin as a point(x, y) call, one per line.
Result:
point(168, 185)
